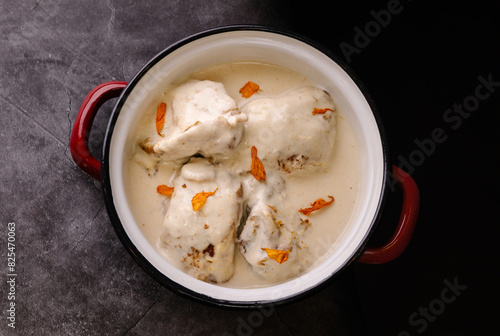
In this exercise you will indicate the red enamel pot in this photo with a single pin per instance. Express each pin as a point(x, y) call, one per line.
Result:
point(260, 44)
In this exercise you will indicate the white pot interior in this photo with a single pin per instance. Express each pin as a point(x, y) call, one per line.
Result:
point(254, 45)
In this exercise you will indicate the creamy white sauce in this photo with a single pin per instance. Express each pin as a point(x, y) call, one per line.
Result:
point(339, 180)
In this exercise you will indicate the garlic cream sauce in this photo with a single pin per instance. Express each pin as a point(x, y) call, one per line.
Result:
point(340, 179)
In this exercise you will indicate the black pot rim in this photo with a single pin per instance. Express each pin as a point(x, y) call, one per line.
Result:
point(108, 195)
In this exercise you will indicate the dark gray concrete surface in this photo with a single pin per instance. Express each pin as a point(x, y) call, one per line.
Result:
point(73, 275)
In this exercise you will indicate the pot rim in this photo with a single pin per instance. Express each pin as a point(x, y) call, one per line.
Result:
point(134, 251)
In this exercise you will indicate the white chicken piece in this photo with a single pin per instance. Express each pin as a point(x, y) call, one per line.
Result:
point(202, 119)
point(268, 226)
point(287, 134)
point(202, 242)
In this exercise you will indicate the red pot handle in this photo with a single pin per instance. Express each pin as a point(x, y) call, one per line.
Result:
point(409, 213)
point(83, 123)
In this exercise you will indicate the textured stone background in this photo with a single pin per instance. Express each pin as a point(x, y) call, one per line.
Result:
point(74, 276)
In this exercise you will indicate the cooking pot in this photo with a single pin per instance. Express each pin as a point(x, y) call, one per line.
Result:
point(259, 44)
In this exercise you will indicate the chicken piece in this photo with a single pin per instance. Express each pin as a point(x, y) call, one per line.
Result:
point(203, 119)
point(202, 242)
point(270, 224)
point(287, 134)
